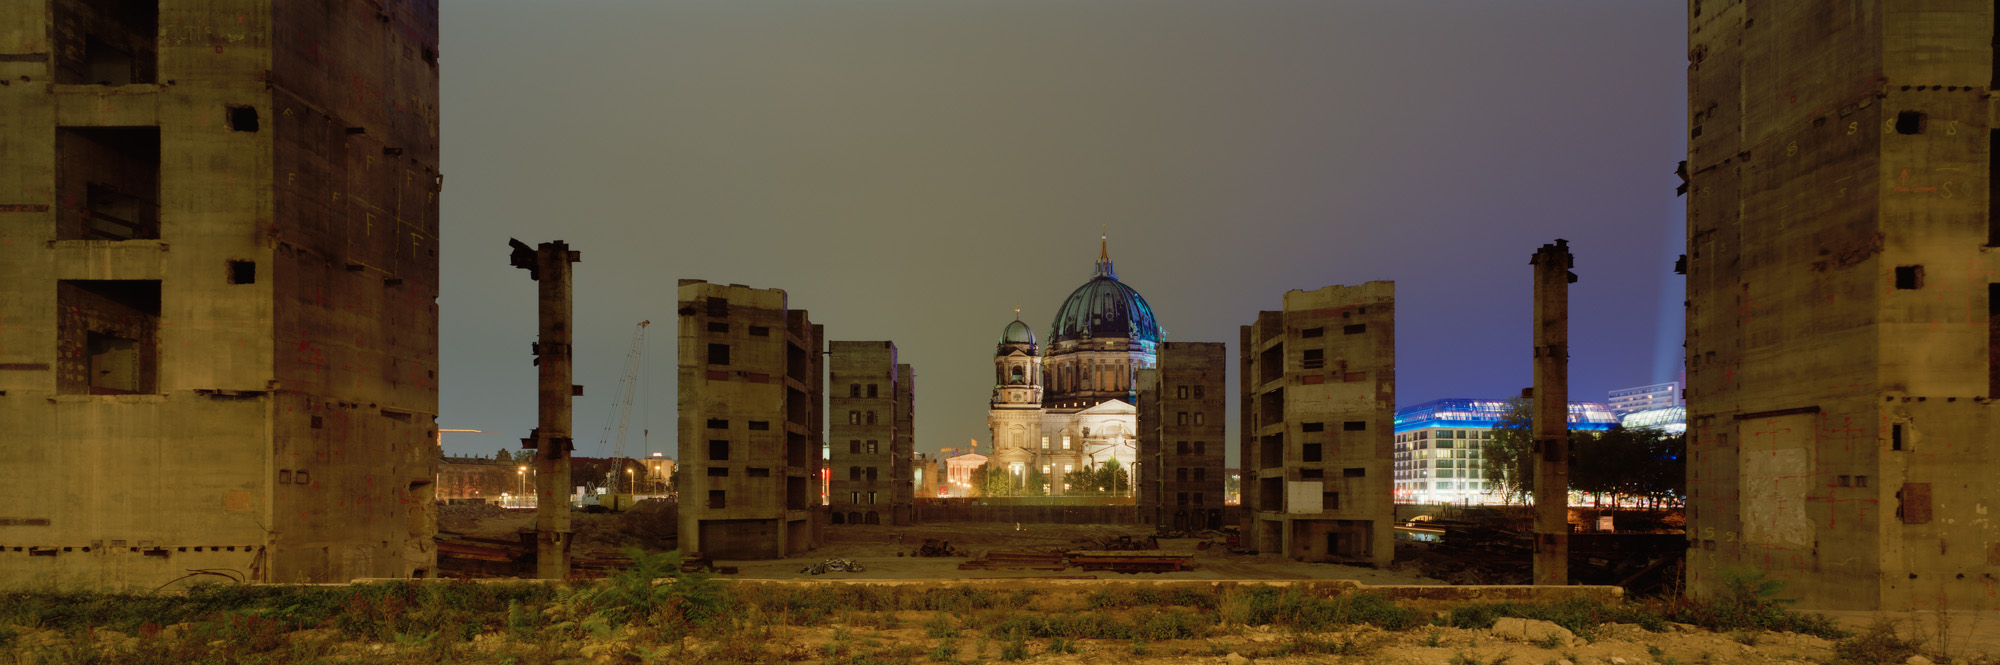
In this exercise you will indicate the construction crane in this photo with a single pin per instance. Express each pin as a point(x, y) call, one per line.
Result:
point(621, 412)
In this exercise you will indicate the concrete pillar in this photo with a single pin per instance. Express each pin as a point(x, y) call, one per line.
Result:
point(1551, 411)
point(549, 266)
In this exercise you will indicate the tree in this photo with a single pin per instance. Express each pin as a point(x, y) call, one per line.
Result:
point(1614, 463)
point(1507, 458)
point(1037, 485)
point(504, 456)
point(1113, 478)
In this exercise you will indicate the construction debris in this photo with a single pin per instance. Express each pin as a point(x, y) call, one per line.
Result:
point(933, 547)
point(463, 556)
point(1017, 561)
point(834, 566)
point(1122, 543)
point(1122, 562)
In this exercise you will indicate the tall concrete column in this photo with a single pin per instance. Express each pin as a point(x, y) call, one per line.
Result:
point(1551, 411)
point(549, 266)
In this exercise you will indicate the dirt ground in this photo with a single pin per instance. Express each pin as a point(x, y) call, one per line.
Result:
point(877, 547)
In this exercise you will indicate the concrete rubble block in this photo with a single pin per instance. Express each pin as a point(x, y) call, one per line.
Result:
point(1532, 630)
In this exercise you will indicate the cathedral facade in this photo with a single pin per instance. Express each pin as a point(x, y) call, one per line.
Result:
point(1069, 405)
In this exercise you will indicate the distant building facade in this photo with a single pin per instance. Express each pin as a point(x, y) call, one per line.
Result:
point(1438, 446)
point(957, 470)
point(1671, 419)
point(1071, 405)
point(1318, 401)
point(752, 381)
point(1181, 444)
point(1656, 396)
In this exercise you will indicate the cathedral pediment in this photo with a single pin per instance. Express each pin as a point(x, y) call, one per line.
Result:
point(1113, 407)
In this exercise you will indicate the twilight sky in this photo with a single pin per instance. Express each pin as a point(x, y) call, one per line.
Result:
point(913, 170)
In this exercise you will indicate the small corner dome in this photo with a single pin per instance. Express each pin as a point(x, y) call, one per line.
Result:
point(1017, 333)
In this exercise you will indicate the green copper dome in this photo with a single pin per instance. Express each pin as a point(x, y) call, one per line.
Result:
point(1017, 333)
point(1104, 307)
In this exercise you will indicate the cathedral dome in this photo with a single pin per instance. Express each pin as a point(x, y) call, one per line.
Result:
point(1017, 333)
point(1104, 307)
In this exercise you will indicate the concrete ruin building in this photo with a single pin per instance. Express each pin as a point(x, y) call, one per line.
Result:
point(1181, 444)
point(902, 465)
point(868, 457)
point(218, 284)
point(752, 380)
point(1843, 326)
point(1318, 386)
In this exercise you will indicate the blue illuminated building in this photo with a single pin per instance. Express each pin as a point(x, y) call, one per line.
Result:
point(1438, 446)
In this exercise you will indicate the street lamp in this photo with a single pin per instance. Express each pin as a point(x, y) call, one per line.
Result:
point(521, 484)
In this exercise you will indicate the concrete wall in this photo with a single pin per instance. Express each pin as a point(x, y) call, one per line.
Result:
point(1840, 354)
point(901, 469)
point(750, 422)
point(862, 437)
point(247, 192)
point(1180, 436)
point(1318, 446)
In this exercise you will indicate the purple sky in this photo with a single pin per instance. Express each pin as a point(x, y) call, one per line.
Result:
point(914, 170)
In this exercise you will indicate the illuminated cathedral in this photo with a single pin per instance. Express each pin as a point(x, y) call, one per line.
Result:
point(1069, 405)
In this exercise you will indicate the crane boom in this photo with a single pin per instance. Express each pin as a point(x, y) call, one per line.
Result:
point(621, 408)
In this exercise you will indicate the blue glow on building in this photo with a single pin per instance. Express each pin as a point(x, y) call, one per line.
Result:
point(1464, 413)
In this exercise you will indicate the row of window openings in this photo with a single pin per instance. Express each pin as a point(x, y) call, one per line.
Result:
point(854, 390)
point(1427, 485)
point(1444, 434)
point(1183, 391)
point(1441, 473)
point(754, 472)
point(1461, 453)
point(722, 328)
point(856, 497)
point(1181, 498)
point(856, 447)
point(1320, 474)
point(861, 417)
point(1200, 418)
point(1348, 426)
point(1182, 475)
point(1194, 447)
point(723, 423)
point(1350, 329)
point(858, 473)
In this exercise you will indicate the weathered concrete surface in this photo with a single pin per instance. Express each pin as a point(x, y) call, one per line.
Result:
point(218, 282)
point(1841, 330)
point(862, 454)
point(1551, 412)
point(1180, 452)
point(752, 374)
point(1318, 381)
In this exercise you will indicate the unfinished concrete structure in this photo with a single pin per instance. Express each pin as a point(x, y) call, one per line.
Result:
point(1181, 445)
point(1318, 386)
point(1551, 411)
point(1842, 331)
point(868, 439)
point(752, 379)
point(904, 451)
point(218, 282)
point(549, 264)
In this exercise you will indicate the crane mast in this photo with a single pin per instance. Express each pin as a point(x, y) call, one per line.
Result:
point(621, 409)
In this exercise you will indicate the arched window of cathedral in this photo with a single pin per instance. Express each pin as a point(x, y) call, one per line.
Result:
point(1017, 378)
point(1020, 438)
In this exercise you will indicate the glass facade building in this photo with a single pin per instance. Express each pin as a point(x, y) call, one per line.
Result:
point(1438, 447)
